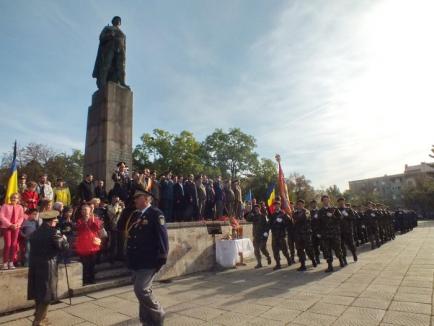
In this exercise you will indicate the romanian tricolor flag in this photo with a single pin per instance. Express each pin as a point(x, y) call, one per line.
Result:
point(283, 189)
point(271, 196)
point(13, 179)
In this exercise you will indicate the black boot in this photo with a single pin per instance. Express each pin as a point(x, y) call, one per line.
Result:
point(314, 264)
point(289, 261)
point(259, 265)
point(341, 262)
point(302, 268)
point(345, 260)
point(355, 257)
point(329, 268)
point(277, 267)
point(318, 261)
point(269, 260)
point(292, 260)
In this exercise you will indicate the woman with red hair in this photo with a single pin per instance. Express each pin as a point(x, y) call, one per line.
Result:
point(88, 242)
point(11, 218)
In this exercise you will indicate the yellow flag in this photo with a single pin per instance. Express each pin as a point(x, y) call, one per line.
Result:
point(13, 179)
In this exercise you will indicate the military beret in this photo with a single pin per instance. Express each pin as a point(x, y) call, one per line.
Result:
point(300, 201)
point(341, 199)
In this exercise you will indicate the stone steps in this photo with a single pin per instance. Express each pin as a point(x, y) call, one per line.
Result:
point(102, 285)
point(107, 276)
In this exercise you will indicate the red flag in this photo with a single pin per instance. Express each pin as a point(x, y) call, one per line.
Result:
point(283, 189)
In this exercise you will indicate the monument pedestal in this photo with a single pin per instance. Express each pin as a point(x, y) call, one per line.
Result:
point(109, 132)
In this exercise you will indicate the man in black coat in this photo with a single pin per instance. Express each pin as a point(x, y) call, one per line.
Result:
point(86, 189)
point(46, 243)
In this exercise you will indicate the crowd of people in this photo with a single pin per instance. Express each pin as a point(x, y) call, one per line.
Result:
point(189, 198)
point(312, 231)
point(93, 222)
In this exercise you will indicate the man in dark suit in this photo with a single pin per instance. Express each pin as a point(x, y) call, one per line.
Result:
point(178, 199)
point(191, 207)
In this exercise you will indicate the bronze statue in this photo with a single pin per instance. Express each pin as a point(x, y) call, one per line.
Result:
point(110, 60)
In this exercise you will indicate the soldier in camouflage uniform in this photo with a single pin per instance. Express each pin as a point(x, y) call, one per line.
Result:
point(260, 234)
point(390, 223)
point(371, 220)
point(278, 225)
point(347, 229)
point(303, 235)
point(291, 241)
point(381, 223)
point(330, 220)
point(316, 241)
point(363, 226)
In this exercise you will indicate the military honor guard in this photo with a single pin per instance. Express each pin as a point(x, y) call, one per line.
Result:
point(347, 230)
point(330, 233)
point(316, 237)
point(278, 225)
point(260, 234)
point(303, 235)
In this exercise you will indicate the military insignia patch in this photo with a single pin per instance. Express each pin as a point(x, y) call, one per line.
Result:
point(161, 219)
point(144, 222)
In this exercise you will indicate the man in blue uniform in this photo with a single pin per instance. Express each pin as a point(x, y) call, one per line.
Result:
point(147, 249)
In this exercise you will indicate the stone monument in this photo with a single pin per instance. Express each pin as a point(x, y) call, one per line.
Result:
point(110, 117)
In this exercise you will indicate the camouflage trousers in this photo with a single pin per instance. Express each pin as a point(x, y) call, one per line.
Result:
point(330, 244)
point(279, 244)
point(304, 247)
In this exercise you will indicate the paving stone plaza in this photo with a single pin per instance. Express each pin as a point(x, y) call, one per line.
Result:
point(392, 285)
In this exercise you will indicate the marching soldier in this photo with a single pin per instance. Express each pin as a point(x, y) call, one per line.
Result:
point(371, 219)
point(147, 250)
point(316, 241)
point(278, 225)
point(303, 235)
point(46, 243)
point(260, 234)
point(347, 227)
point(291, 241)
point(330, 219)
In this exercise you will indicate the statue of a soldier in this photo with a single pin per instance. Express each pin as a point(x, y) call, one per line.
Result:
point(110, 60)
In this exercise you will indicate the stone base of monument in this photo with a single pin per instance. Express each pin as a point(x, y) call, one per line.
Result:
point(191, 251)
point(13, 286)
point(109, 132)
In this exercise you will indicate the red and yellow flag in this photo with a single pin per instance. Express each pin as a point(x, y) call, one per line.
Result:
point(283, 189)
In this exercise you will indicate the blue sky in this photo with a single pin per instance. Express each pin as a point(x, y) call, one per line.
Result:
point(341, 89)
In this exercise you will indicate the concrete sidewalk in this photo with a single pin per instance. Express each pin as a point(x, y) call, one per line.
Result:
point(392, 285)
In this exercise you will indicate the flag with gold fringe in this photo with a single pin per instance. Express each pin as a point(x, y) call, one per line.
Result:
point(283, 189)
